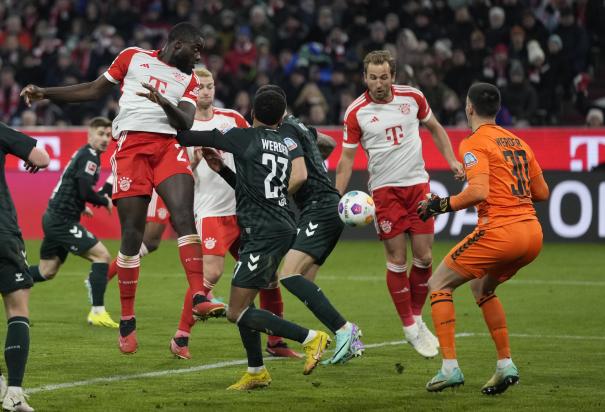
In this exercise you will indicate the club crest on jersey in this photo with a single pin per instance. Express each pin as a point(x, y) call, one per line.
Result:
point(91, 167)
point(469, 159)
point(210, 242)
point(386, 226)
point(162, 213)
point(404, 108)
point(180, 77)
point(290, 143)
point(124, 183)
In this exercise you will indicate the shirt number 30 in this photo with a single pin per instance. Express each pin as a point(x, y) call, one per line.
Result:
point(520, 171)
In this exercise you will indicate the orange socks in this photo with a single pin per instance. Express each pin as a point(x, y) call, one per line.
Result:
point(444, 320)
point(495, 319)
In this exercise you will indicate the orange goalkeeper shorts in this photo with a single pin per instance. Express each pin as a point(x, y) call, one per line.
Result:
point(499, 252)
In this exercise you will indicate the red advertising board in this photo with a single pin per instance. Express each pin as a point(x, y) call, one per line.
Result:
point(564, 149)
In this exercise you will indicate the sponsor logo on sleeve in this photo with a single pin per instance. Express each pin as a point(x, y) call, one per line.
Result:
point(470, 160)
point(290, 143)
point(91, 167)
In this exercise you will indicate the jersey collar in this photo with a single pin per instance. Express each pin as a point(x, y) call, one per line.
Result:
point(370, 99)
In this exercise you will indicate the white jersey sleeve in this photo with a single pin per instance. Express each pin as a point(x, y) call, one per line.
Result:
point(134, 66)
point(213, 196)
point(388, 132)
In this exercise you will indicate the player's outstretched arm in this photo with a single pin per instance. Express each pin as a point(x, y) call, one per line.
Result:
point(37, 159)
point(216, 163)
point(326, 145)
point(206, 138)
point(180, 117)
point(475, 193)
point(442, 141)
point(344, 169)
point(68, 94)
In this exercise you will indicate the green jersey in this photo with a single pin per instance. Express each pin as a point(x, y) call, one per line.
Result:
point(262, 165)
point(69, 197)
point(301, 140)
point(20, 145)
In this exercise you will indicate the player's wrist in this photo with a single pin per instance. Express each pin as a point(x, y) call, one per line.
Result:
point(441, 204)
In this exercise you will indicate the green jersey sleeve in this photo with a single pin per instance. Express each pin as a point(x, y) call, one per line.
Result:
point(16, 143)
point(234, 141)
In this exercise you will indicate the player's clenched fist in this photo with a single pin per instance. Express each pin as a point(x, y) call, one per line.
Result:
point(433, 205)
point(32, 93)
point(213, 158)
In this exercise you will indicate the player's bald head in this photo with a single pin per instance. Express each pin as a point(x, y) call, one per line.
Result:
point(485, 98)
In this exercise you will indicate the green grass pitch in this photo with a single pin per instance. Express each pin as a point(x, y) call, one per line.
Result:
point(555, 319)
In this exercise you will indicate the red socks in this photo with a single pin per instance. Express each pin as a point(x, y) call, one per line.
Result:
point(128, 278)
point(187, 321)
point(399, 288)
point(271, 300)
point(190, 252)
point(419, 285)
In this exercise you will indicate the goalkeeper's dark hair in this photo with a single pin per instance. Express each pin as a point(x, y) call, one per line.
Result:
point(185, 32)
point(485, 98)
point(269, 107)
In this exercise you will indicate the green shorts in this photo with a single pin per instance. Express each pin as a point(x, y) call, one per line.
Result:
point(258, 261)
point(14, 269)
point(62, 236)
point(319, 228)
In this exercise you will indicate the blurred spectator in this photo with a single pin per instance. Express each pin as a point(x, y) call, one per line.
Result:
point(534, 28)
point(460, 76)
point(594, 118)
point(519, 96)
point(320, 44)
point(575, 41)
point(10, 102)
point(29, 118)
point(497, 33)
point(434, 90)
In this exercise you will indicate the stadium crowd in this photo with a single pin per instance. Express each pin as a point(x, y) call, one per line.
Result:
point(541, 53)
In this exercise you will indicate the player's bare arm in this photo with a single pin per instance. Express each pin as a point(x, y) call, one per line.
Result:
point(326, 144)
point(298, 176)
point(68, 94)
point(180, 117)
point(37, 159)
point(442, 141)
point(344, 169)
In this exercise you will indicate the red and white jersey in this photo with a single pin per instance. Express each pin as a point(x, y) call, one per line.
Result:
point(134, 66)
point(213, 196)
point(388, 132)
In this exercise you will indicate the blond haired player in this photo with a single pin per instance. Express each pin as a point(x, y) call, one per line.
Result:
point(214, 208)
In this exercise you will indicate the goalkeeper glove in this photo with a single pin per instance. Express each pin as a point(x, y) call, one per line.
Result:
point(433, 205)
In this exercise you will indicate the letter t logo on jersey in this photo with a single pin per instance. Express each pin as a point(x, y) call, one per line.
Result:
point(394, 134)
point(158, 84)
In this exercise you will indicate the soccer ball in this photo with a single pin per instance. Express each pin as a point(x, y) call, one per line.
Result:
point(356, 208)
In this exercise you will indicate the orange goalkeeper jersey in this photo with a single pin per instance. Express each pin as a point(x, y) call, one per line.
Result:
point(510, 165)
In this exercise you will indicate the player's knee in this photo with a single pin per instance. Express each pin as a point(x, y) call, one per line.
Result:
point(212, 273)
point(397, 266)
point(152, 245)
point(425, 261)
point(232, 314)
point(49, 273)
